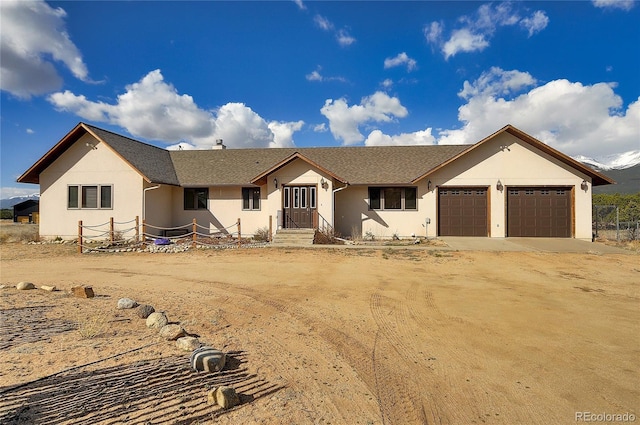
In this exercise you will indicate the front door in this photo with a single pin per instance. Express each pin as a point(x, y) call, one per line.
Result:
point(299, 203)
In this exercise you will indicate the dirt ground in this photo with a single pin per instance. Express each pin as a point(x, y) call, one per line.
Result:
point(322, 336)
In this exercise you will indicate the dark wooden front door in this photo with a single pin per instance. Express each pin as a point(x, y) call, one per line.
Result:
point(299, 203)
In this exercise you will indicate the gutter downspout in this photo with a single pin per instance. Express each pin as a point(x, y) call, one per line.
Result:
point(144, 200)
point(333, 207)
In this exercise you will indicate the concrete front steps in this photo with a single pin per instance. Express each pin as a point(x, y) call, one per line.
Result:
point(295, 237)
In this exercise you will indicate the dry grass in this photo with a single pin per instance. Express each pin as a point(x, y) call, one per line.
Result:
point(91, 326)
point(17, 232)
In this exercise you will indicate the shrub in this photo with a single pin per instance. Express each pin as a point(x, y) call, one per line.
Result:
point(327, 237)
point(261, 235)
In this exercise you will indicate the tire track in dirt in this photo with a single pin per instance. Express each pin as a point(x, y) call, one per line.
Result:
point(354, 354)
point(464, 368)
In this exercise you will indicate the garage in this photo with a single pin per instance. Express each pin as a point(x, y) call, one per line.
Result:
point(539, 212)
point(462, 211)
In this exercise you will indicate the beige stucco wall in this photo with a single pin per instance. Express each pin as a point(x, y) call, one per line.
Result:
point(519, 165)
point(225, 202)
point(82, 165)
point(353, 216)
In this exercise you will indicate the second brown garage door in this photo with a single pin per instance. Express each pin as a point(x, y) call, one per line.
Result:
point(539, 212)
point(462, 212)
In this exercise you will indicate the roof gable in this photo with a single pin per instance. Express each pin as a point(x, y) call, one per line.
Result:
point(596, 177)
point(152, 163)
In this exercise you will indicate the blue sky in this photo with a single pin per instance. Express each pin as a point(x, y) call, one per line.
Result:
point(314, 73)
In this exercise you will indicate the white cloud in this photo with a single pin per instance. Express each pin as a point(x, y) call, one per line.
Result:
point(536, 23)
point(570, 116)
point(476, 30)
point(153, 109)
point(344, 120)
point(320, 128)
point(32, 33)
point(317, 76)
point(387, 83)
point(323, 23)
point(300, 4)
point(344, 38)
point(377, 138)
point(30, 131)
point(400, 60)
point(433, 33)
point(314, 76)
point(497, 82)
point(463, 40)
point(614, 4)
point(283, 133)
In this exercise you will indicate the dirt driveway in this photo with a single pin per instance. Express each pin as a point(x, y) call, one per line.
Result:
point(319, 336)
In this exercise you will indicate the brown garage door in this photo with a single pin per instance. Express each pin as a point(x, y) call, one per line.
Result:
point(539, 212)
point(462, 212)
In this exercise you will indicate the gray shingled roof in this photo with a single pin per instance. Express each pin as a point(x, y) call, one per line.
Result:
point(356, 165)
point(153, 162)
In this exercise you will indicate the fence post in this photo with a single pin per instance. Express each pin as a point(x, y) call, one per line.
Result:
point(239, 233)
point(194, 228)
point(144, 233)
point(270, 228)
point(111, 229)
point(80, 237)
point(137, 229)
point(617, 224)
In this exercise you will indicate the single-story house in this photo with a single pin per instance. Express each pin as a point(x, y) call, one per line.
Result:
point(26, 211)
point(506, 185)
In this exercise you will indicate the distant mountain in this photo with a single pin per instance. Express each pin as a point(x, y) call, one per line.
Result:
point(624, 168)
point(10, 202)
point(612, 162)
point(627, 180)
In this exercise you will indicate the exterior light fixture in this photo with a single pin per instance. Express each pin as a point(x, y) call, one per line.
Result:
point(275, 182)
point(429, 185)
point(91, 145)
point(499, 186)
point(584, 185)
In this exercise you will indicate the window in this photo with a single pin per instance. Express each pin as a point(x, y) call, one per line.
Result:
point(393, 198)
point(195, 198)
point(286, 196)
point(89, 196)
point(312, 196)
point(250, 198)
point(72, 201)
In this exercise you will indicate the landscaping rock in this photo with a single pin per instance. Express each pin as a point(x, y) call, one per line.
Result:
point(48, 288)
point(207, 359)
point(125, 303)
point(143, 311)
point(24, 286)
point(188, 343)
point(83, 291)
point(226, 397)
point(157, 320)
point(171, 332)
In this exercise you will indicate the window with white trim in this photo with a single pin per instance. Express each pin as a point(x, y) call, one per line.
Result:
point(90, 197)
point(250, 198)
